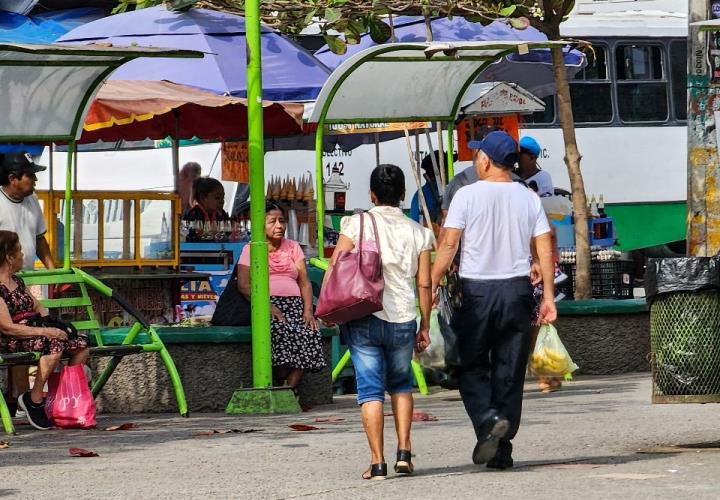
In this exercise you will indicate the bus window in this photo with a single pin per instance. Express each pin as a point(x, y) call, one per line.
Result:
point(642, 84)
point(546, 116)
point(591, 90)
point(678, 78)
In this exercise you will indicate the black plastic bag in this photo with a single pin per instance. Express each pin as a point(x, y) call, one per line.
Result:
point(683, 274)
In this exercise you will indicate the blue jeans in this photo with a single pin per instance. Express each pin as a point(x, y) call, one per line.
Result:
point(381, 353)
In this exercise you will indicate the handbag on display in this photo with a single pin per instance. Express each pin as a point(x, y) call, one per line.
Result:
point(354, 287)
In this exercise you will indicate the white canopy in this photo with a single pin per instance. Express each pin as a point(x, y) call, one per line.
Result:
point(45, 90)
point(499, 98)
point(425, 81)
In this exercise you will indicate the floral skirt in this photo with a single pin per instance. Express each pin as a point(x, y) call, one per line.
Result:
point(293, 344)
point(41, 344)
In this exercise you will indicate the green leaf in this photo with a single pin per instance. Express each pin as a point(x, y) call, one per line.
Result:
point(332, 15)
point(508, 11)
point(309, 17)
point(379, 31)
point(352, 38)
point(335, 44)
point(482, 20)
point(356, 27)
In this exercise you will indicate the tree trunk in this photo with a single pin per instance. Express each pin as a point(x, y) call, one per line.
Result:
point(583, 289)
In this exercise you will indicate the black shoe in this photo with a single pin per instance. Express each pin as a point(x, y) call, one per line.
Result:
point(35, 412)
point(503, 458)
point(493, 429)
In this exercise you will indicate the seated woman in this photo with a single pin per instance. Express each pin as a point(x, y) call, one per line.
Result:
point(209, 196)
point(18, 308)
point(296, 340)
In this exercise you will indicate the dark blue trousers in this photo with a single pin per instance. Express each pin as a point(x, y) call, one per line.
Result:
point(494, 344)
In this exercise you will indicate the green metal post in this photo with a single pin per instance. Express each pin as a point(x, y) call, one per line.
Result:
point(259, 279)
point(320, 203)
point(450, 149)
point(66, 209)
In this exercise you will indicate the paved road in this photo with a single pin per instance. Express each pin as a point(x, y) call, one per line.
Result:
point(599, 438)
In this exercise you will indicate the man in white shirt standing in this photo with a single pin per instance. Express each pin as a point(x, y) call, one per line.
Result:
point(21, 213)
point(498, 220)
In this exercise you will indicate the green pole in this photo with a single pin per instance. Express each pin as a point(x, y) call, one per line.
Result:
point(66, 209)
point(259, 280)
point(320, 203)
point(450, 149)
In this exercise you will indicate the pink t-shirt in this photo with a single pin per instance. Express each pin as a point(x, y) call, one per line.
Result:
point(283, 271)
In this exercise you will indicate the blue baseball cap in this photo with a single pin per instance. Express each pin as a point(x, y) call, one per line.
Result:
point(530, 145)
point(499, 146)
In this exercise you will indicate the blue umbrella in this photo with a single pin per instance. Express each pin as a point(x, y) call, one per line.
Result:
point(290, 73)
point(532, 71)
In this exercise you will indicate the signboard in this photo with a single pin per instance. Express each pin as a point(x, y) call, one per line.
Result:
point(235, 165)
point(470, 128)
point(370, 128)
point(500, 98)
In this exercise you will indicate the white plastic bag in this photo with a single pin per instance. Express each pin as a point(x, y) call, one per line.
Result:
point(434, 356)
point(550, 358)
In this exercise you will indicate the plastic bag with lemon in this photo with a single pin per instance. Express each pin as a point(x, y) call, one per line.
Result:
point(550, 358)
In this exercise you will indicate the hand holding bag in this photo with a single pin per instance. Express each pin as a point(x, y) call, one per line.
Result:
point(70, 404)
point(354, 288)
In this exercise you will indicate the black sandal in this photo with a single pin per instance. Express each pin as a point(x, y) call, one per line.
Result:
point(376, 472)
point(404, 463)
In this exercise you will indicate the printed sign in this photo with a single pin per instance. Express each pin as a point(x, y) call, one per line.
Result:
point(235, 165)
point(472, 127)
point(370, 128)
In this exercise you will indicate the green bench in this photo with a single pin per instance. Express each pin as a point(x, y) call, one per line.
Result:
point(115, 343)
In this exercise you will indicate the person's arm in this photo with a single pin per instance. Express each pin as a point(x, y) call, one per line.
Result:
point(424, 284)
point(535, 271)
point(544, 249)
point(243, 281)
point(447, 248)
point(42, 249)
point(11, 329)
point(306, 294)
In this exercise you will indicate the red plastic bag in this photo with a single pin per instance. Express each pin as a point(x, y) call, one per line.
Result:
point(69, 404)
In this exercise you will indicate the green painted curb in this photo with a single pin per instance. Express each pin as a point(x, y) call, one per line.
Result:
point(263, 402)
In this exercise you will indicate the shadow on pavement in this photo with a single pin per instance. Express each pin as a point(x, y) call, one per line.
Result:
point(530, 466)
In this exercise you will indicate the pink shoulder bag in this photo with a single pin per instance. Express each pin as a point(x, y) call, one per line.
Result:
point(354, 288)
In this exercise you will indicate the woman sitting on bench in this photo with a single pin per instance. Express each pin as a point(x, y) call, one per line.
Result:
point(19, 309)
point(296, 340)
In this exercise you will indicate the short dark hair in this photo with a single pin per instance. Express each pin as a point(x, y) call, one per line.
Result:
point(270, 206)
point(9, 244)
point(203, 186)
point(387, 182)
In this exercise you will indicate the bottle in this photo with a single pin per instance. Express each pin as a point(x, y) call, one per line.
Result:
point(601, 207)
point(594, 208)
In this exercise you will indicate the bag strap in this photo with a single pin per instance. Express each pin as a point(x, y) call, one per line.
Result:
point(377, 237)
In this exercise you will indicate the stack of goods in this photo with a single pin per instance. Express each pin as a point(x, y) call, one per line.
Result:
point(296, 198)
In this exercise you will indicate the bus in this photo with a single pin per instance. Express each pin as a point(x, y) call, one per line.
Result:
point(630, 110)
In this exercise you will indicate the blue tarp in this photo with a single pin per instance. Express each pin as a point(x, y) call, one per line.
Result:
point(44, 28)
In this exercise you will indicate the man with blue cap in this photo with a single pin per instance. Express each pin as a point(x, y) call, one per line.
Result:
point(537, 179)
point(498, 221)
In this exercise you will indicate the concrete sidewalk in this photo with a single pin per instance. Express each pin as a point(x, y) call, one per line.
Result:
point(598, 438)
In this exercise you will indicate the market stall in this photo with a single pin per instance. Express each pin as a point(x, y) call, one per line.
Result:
point(48, 90)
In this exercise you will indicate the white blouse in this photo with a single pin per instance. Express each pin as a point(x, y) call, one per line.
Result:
point(401, 242)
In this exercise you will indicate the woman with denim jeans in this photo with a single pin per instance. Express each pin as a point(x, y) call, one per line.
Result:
point(381, 345)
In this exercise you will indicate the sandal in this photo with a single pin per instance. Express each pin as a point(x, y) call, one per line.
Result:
point(376, 472)
point(404, 463)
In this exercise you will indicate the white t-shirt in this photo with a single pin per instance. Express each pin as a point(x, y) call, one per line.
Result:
point(401, 242)
point(27, 220)
point(498, 220)
point(543, 181)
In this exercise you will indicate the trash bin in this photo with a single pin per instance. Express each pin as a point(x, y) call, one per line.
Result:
point(684, 298)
